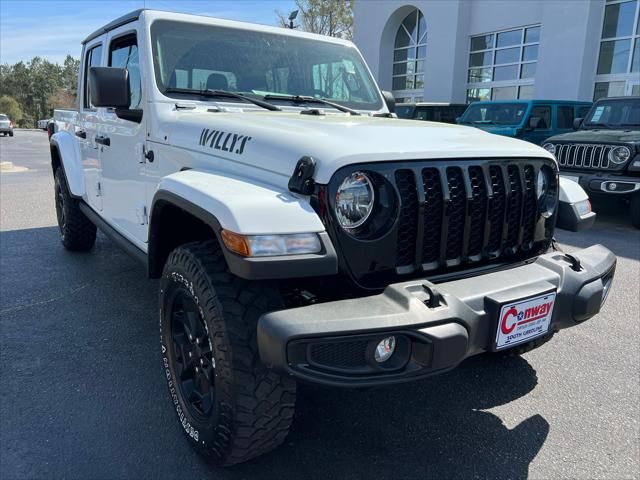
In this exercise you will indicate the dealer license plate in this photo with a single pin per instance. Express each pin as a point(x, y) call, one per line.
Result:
point(524, 320)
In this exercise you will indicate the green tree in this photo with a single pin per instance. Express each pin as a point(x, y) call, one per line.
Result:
point(10, 107)
point(326, 17)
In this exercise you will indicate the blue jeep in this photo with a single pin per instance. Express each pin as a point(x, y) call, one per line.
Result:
point(531, 120)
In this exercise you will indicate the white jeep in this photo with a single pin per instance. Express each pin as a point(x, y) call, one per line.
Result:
point(301, 232)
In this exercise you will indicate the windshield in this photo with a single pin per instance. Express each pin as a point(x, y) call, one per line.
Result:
point(614, 114)
point(200, 57)
point(495, 113)
point(3, 117)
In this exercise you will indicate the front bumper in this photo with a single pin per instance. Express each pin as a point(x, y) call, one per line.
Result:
point(604, 182)
point(437, 326)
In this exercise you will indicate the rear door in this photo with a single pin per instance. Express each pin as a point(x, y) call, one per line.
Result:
point(122, 140)
point(87, 126)
point(564, 118)
point(543, 131)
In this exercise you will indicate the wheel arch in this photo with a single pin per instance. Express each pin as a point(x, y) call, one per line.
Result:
point(65, 153)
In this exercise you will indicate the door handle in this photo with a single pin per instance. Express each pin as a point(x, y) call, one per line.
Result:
point(81, 133)
point(102, 140)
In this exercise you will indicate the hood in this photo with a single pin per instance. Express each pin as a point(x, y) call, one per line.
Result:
point(275, 141)
point(599, 136)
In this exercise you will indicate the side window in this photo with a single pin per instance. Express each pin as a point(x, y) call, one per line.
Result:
point(565, 117)
point(544, 114)
point(92, 58)
point(123, 53)
point(582, 112)
point(421, 114)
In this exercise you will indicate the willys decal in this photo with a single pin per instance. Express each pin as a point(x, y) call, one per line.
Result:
point(225, 141)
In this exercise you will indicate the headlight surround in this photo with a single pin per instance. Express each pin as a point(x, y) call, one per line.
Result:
point(619, 155)
point(546, 191)
point(550, 147)
point(354, 200)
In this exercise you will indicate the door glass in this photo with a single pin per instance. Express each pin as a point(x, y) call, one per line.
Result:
point(123, 53)
point(544, 114)
point(92, 59)
point(565, 117)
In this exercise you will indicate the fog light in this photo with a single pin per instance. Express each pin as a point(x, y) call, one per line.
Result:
point(385, 349)
point(613, 186)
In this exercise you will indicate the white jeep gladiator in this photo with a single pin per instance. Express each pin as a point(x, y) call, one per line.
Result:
point(300, 231)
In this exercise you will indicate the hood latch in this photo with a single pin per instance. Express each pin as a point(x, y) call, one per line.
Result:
point(302, 179)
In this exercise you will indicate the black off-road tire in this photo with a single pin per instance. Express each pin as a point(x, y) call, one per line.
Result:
point(524, 347)
point(77, 233)
point(11, 134)
point(250, 407)
point(634, 210)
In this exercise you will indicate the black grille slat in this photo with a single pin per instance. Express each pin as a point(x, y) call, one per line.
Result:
point(477, 210)
point(514, 209)
point(407, 228)
point(584, 155)
point(433, 211)
point(530, 210)
point(456, 212)
point(497, 211)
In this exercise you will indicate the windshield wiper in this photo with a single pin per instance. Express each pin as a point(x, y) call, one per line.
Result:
point(224, 94)
point(305, 99)
point(598, 125)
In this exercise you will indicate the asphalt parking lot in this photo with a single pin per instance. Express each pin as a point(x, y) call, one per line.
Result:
point(82, 393)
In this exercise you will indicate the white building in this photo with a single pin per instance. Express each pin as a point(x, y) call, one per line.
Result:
point(464, 50)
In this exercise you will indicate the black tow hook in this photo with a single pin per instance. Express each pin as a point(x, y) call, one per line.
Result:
point(435, 299)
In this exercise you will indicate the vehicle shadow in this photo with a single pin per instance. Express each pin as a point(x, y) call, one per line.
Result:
point(436, 428)
point(92, 319)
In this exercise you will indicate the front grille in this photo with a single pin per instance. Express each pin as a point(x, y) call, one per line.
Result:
point(579, 155)
point(465, 213)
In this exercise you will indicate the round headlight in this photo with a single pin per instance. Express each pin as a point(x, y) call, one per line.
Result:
point(546, 190)
point(550, 147)
point(354, 200)
point(619, 154)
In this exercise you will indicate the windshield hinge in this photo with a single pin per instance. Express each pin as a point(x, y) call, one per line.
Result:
point(302, 179)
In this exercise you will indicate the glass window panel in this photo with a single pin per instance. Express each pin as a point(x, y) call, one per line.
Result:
point(399, 68)
point(410, 24)
point(402, 39)
point(618, 19)
point(506, 39)
point(420, 66)
point(504, 93)
point(422, 52)
point(635, 64)
point(480, 59)
point(411, 68)
point(635, 90)
point(532, 35)
point(528, 70)
point(508, 55)
point(401, 55)
point(422, 27)
point(530, 53)
point(399, 83)
point(482, 42)
point(509, 72)
point(565, 117)
point(479, 75)
point(614, 56)
point(544, 114)
point(526, 92)
point(608, 89)
point(478, 94)
point(419, 83)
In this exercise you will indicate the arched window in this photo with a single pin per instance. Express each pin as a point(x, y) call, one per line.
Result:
point(408, 58)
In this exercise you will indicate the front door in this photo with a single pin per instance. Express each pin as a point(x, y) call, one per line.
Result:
point(543, 130)
point(87, 128)
point(121, 138)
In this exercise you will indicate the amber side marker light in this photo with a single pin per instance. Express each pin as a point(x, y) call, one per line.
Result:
point(236, 243)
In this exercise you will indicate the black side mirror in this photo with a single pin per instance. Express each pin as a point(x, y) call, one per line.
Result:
point(109, 87)
point(390, 100)
point(577, 123)
point(534, 122)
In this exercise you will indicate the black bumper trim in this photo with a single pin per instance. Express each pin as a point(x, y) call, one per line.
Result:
point(463, 325)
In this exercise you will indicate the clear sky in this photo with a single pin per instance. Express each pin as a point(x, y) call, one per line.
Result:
point(55, 28)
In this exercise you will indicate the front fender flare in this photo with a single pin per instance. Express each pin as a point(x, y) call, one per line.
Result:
point(70, 160)
point(250, 208)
